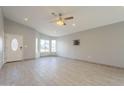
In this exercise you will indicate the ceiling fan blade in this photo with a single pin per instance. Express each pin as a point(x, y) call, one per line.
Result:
point(52, 21)
point(64, 24)
point(68, 18)
point(60, 14)
point(54, 14)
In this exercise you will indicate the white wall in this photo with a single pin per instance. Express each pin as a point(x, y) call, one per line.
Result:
point(29, 37)
point(104, 45)
point(1, 40)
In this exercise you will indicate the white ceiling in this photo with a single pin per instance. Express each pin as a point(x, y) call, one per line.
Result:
point(85, 17)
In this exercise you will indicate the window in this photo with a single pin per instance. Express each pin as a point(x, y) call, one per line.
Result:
point(42, 45)
point(45, 47)
point(53, 45)
point(14, 44)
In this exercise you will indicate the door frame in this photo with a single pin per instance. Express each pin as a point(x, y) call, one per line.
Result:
point(6, 47)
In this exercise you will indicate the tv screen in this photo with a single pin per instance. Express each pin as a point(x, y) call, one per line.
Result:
point(76, 42)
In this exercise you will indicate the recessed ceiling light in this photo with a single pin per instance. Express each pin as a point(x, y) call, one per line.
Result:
point(73, 24)
point(26, 19)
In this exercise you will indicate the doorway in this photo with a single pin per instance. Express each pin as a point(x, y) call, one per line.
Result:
point(14, 47)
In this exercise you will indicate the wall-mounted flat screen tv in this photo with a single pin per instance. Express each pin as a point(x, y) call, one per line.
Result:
point(76, 42)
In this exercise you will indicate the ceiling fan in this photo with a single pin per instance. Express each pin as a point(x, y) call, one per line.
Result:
point(61, 20)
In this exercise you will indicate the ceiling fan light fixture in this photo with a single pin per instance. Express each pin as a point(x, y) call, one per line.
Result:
point(60, 22)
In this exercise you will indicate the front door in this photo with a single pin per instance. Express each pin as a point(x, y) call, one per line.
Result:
point(14, 47)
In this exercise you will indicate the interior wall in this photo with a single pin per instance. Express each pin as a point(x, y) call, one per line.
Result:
point(104, 45)
point(1, 40)
point(30, 49)
point(29, 37)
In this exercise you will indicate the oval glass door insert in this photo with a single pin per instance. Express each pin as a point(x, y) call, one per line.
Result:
point(14, 44)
